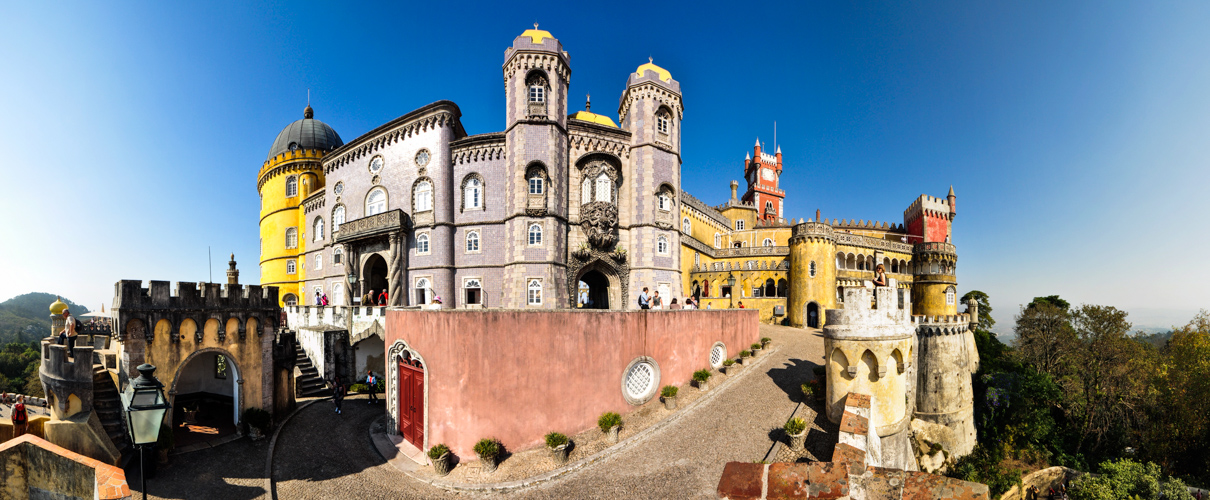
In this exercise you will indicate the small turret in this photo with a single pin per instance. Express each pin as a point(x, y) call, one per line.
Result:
point(232, 272)
point(734, 190)
point(953, 202)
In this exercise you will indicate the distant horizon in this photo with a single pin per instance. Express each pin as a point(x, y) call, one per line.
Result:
point(1074, 134)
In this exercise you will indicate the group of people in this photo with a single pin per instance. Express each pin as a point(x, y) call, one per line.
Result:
point(370, 298)
point(339, 390)
point(654, 301)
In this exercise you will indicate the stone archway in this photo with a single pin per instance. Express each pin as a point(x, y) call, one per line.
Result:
point(374, 276)
point(398, 351)
point(198, 392)
point(812, 312)
point(605, 285)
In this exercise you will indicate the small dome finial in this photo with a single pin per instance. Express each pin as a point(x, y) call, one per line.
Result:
point(308, 113)
point(588, 102)
point(535, 25)
point(650, 60)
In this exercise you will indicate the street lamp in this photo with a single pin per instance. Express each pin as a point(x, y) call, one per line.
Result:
point(145, 408)
point(352, 284)
point(731, 283)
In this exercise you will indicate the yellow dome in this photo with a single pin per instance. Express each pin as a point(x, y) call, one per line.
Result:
point(664, 74)
point(536, 34)
point(594, 118)
point(58, 306)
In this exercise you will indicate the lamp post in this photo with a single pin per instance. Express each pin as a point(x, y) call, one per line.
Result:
point(731, 283)
point(145, 408)
point(352, 293)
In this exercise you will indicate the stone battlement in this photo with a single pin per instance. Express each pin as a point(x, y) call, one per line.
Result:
point(927, 205)
point(864, 306)
point(130, 294)
point(949, 320)
point(67, 382)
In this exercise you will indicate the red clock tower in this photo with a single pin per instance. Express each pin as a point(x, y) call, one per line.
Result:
point(763, 171)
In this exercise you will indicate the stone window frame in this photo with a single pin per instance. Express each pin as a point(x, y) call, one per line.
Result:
point(663, 123)
point(291, 238)
point(338, 290)
point(338, 255)
point(428, 281)
point(386, 200)
point(537, 84)
point(466, 239)
point(739, 225)
point(319, 260)
point(318, 228)
point(591, 169)
point(718, 240)
point(291, 266)
point(466, 281)
point(661, 241)
point(529, 234)
point(529, 291)
point(287, 298)
point(536, 170)
point(768, 242)
point(654, 382)
point(424, 243)
point(416, 194)
point(473, 176)
point(951, 296)
point(339, 215)
point(686, 226)
point(382, 164)
point(291, 186)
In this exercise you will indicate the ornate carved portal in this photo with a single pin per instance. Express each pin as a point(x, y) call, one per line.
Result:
point(598, 220)
point(594, 265)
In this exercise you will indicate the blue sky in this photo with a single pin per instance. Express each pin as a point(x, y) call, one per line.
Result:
point(1074, 133)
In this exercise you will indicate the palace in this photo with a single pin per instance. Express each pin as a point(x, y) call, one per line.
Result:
point(558, 202)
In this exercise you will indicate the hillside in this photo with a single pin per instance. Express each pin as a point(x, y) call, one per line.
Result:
point(27, 317)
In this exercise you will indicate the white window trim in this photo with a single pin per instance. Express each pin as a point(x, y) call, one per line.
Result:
point(429, 243)
point(541, 234)
point(541, 292)
point(338, 252)
point(541, 185)
point(537, 94)
point(291, 266)
point(318, 233)
point(667, 245)
point(739, 225)
point(467, 280)
point(319, 261)
point(768, 242)
point(416, 196)
point(467, 189)
point(294, 179)
point(428, 279)
point(386, 200)
point(287, 237)
point(686, 226)
point(467, 235)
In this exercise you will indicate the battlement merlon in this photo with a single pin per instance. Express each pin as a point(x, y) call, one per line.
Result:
point(872, 306)
point(958, 321)
point(928, 205)
point(130, 294)
point(57, 365)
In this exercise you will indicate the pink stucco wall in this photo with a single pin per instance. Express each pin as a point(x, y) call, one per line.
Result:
point(517, 375)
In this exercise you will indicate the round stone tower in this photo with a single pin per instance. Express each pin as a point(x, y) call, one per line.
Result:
point(812, 274)
point(947, 358)
point(935, 283)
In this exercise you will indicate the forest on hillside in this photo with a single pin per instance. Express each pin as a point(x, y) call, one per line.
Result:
point(1076, 387)
point(25, 318)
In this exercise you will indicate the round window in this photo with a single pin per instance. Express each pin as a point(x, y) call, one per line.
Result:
point(422, 158)
point(718, 354)
point(640, 381)
point(375, 164)
point(338, 188)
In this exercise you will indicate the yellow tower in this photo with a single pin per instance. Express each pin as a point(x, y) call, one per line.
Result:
point(812, 274)
point(290, 174)
point(934, 290)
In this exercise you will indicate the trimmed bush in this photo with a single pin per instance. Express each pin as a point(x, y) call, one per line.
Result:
point(795, 426)
point(745, 354)
point(701, 376)
point(608, 420)
point(359, 388)
point(765, 340)
point(754, 346)
point(436, 451)
point(555, 440)
point(669, 391)
point(487, 448)
point(728, 362)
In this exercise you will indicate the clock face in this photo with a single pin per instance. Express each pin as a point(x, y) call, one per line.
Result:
point(767, 174)
point(422, 158)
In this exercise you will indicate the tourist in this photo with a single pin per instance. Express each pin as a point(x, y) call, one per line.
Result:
point(435, 304)
point(644, 301)
point(880, 276)
point(656, 301)
point(689, 304)
point(741, 304)
point(319, 301)
point(382, 297)
point(673, 304)
point(583, 298)
point(20, 417)
point(338, 394)
point(708, 306)
point(68, 335)
point(368, 298)
point(323, 300)
point(372, 386)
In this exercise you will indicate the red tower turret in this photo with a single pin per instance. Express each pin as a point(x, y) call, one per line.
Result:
point(763, 171)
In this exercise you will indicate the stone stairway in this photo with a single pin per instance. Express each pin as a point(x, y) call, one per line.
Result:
point(308, 383)
point(108, 404)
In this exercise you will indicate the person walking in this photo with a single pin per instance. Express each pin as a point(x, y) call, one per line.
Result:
point(644, 300)
point(338, 393)
point(318, 300)
point(372, 383)
point(323, 300)
point(68, 335)
point(20, 417)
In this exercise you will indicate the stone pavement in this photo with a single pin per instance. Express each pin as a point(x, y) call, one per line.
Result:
point(324, 455)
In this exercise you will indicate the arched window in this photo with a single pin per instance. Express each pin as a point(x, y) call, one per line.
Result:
point(318, 233)
point(586, 192)
point(537, 89)
point(338, 294)
point(861, 263)
point(291, 186)
point(535, 234)
point(840, 294)
point(536, 183)
point(769, 207)
point(739, 225)
point(665, 201)
point(319, 261)
point(422, 243)
point(422, 291)
point(472, 241)
point(661, 245)
point(686, 226)
point(894, 268)
point(292, 237)
point(770, 288)
point(337, 255)
point(782, 286)
point(290, 299)
point(534, 289)
point(697, 258)
point(851, 262)
point(291, 266)
point(376, 201)
point(472, 194)
point(767, 243)
point(662, 122)
point(604, 188)
point(949, 296)
point(338, 217)
point(718, 240)
point(422, 196)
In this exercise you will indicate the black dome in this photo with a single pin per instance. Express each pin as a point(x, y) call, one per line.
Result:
point(307, 133)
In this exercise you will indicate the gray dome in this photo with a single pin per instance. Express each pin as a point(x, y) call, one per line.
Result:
point(307, 133)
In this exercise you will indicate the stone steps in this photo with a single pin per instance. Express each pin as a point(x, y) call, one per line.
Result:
point(308, 383)
point(108, 404)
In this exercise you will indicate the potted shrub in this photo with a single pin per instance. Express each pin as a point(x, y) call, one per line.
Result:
point(619, 254)
point(729, 366)
point(258, 421)
point(754, 348)
point(702, 377)
point(488, 450)
point(744, 354)
point(668, 394)
point(442, 459)
point(764, 341)
point(611, 424)
point(558, 444)
point(796, 428)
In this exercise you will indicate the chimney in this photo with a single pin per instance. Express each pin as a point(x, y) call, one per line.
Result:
point(734, 189)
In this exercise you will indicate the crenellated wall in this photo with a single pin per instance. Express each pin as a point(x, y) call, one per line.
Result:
point(948, 357)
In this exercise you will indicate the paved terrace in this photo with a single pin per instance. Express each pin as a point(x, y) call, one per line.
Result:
point(320, 454)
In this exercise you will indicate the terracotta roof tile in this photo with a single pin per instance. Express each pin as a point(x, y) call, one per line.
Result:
point(789, 480)
point(741, 481)
point(829, 480)
point(857, 400)
point(854, 424)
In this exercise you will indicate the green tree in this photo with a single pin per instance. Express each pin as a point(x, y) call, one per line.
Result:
point(985, 309)
point(1110, 388)
point(1178, 430)
point(1053, 300)
point(1127, 479)
point(1045, 339)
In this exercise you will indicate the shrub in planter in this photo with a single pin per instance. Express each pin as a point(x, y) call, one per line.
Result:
point(764, 341)
point(668, 393)
point(745, 354)
point(259, 421)
point(442, 459)
point(611, 424)
point(808, 391)
point(488, 450)
point(729, 365)
point(702, 377)
point(359, 388)
point(559, 447)
point(755, 347)
point(796, 428)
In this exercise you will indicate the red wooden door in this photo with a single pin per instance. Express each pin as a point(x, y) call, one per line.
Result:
point(405, 400)
point(418, 408)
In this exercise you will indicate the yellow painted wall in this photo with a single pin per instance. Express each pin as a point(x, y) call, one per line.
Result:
point(804, 289)
point(928, 296)
point(279, 212)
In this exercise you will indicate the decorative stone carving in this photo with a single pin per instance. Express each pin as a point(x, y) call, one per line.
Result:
point(599, 219)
